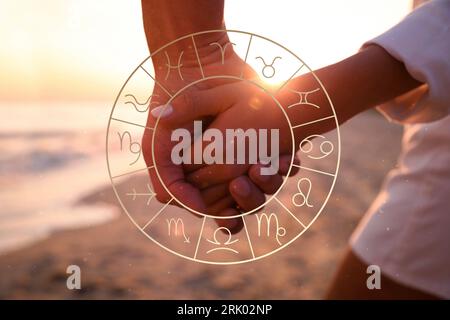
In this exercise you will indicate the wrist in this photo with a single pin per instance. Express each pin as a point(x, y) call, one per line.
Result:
point(208, 49)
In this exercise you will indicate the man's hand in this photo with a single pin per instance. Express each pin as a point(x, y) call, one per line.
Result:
point(171, 174)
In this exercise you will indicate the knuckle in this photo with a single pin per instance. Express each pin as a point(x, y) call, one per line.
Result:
point(254, 172)
point(186, 105)
point(187, 101)
point(162, 197)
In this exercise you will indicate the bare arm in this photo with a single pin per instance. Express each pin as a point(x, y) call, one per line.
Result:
point(360, 82)
point(167, 20)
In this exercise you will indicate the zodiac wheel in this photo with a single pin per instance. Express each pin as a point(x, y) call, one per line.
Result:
point(174, 226)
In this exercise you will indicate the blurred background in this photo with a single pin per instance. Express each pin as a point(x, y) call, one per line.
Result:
point(62, 64)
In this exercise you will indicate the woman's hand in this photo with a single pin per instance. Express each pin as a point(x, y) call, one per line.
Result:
point(238, 106)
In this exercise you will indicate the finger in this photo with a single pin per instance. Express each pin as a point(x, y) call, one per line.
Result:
point(190, 106)
point(208, 176)
point(212, 175)
point(215, 193)
point(217, 207)
point(234, 225)
point(163, 172)
point(247, 195)
point(175, 172)
point(268, 184)
point(188, 195)
point(176, 187)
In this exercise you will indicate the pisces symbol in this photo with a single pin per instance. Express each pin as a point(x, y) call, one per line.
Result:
point(177, 66)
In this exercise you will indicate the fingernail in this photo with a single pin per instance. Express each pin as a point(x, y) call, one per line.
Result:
point(241, 187)
point(162, 111)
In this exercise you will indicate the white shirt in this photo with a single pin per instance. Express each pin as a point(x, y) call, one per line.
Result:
point(407, 229)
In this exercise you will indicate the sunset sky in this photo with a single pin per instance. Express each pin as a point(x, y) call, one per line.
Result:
point(84, 50)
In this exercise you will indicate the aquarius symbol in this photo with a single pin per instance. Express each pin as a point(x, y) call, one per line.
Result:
point(150, 194)
point(136, 102)
point(268, 68)
point(222, 48)
point(177, 231)
point(226, 243)
point(304, 197)
point(178, 66)
point(304, 98)
point(326, 147)
point(281, 232)
point(131, 144)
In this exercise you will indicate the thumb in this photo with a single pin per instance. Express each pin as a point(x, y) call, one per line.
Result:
point(195, 104)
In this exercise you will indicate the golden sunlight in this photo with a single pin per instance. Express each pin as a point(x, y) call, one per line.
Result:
point(50, 58)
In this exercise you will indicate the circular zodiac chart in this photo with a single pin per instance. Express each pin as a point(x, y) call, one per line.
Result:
point(134, 140)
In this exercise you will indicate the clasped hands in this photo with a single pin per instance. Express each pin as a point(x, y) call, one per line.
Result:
point(218, 189)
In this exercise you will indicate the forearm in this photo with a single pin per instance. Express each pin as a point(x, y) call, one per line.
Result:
point(168, 20)
point(355, 84)
point(365, 80)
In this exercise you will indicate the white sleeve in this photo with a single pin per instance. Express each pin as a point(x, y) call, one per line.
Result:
point(422, 42)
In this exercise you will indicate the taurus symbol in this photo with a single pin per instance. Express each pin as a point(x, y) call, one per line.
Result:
point(132, 145)
point(176, 223)
point(222, 48)
point(170, 66)
point(281, 232)
point(226, 243)
point(300, 194)
point(268, 70)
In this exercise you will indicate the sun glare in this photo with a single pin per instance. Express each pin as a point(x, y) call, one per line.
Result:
point(71, 50)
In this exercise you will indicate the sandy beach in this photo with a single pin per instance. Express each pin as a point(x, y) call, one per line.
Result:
point(118, 262)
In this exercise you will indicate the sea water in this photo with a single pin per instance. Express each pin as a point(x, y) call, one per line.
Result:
point(51, 156)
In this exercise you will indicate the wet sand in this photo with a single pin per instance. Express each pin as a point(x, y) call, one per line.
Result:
point(118, 262)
